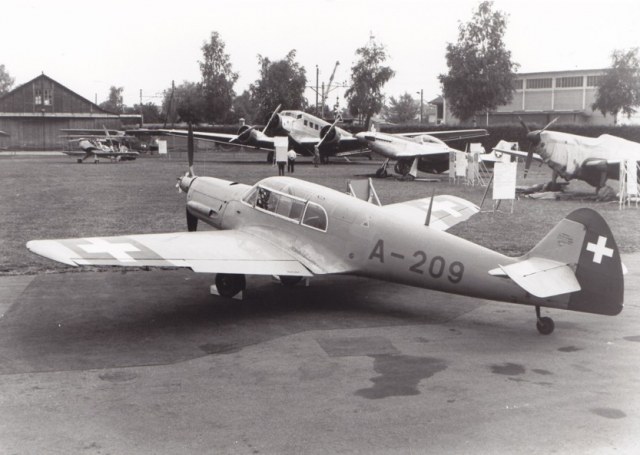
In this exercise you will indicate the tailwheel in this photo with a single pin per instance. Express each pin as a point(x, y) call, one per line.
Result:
point(230, 284)
point(289, 281)
point(544, 324)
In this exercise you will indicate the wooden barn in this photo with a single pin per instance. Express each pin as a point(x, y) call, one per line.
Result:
point(34, 113)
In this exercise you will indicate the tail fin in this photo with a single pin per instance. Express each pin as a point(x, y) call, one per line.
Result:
point(584, 242)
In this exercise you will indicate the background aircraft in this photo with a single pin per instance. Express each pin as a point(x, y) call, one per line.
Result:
point(427, 152)
point(570, 156)
point(114, 145)
point(293, 229)
point(305, 132)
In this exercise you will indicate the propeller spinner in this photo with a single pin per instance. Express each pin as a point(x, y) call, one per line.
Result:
point(534, 138)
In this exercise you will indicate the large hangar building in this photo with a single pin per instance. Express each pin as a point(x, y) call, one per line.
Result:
point(34, 113)
point(541, 97)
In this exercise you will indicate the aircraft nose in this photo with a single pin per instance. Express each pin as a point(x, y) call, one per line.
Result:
point(534, 137)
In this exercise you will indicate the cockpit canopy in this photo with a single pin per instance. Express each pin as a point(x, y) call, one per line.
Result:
point(294, 208)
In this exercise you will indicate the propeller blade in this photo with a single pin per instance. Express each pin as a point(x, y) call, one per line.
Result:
point(271, 118)
point(243, 133)
point(190, 150)
point(192, 222)
point(549, 124)
point(524, 125)
point(527, 163)
point(333, 125)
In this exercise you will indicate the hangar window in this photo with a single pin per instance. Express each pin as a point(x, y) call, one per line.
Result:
point(567, 82)
point(315, 217)
point(47, 97)
point(594, 81)
point(517, 84)
point(37, 96)
point(539, 83)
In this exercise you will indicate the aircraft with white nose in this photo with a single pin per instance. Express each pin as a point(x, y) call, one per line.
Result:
point(295, 229)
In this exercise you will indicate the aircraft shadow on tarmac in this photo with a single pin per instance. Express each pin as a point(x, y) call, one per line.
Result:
point(103, 320)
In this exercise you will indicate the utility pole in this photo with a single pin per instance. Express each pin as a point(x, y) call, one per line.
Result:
point(141, 118)
point(421, 92)
point(317, 77)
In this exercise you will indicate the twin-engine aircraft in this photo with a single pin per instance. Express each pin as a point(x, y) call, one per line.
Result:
point(306, 134)
point(95, 145)
point(592, 160)
point(427, 152)
point(294, 229)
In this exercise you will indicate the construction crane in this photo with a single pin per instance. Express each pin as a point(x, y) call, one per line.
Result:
point(325, 93)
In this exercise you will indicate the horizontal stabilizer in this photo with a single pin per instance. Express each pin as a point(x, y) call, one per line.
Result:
point(541, 277)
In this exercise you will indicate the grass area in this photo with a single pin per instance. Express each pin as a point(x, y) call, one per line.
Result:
point(53, 197)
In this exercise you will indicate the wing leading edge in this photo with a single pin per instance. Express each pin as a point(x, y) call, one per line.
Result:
point(203, 252)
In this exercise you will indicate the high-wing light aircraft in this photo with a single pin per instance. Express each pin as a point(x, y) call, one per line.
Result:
point(592, 160)
point(293, 229)
point(305, 132)
point(427, 152)
point(111, 145)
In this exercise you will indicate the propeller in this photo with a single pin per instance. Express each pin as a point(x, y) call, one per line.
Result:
point(333, 125)
point(273, 114)
point(534, 139)
point(184, 182)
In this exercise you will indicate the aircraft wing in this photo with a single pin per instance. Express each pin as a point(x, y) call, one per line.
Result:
point(263, 142)
point(453, 135)
point(446, 212)
point(203, 252)
point(516, 153)
point(347, 146)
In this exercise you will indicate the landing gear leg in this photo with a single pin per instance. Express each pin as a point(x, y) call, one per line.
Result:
point(545, 324)
point(229, 284)
point(382, 172)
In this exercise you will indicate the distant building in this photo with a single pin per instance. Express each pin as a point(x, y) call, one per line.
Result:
point(34, 113)
point(541, 97)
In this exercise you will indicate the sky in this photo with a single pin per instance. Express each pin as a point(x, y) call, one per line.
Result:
point(89, 46)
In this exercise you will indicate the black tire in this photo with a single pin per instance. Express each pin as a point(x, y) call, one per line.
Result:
point(229, 284)
point(545, 325)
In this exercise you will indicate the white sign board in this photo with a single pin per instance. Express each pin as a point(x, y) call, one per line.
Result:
point(162, 147)
point(281, 144)
point(461, 164)
point(504, 181)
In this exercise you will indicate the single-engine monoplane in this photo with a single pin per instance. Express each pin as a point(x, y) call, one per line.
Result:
point(427, 152)
point(570, 156)
point(295, 229)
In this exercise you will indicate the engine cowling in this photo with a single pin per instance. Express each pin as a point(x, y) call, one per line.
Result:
point(275, 123)
point(246, 135)
point(332, 137)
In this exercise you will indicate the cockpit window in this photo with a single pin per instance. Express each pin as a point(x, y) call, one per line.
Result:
point(315, 217)
point(275, 202)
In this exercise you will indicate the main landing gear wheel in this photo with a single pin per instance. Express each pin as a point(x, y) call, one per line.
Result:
point(381, 173)
point(544, 324)
point(289, 281)
point(229, 284)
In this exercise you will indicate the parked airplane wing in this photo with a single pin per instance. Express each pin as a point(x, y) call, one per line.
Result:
point(452, 135)
point(521, 153)
point(254, 138)
point(446, 211)
point(204, 252)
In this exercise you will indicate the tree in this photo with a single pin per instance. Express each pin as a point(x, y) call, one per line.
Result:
point(218, 79)
point(619, 89)
point(244, 107)
point(481, 74)
point(189, 102)
point(114, 103)
point(150, 112)
point(402, 110)
point(368, 76)
point(6, 81)
point(281, 82)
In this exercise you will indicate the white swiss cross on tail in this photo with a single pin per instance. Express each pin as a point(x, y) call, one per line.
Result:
point(117, 250)
point(599, 249)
